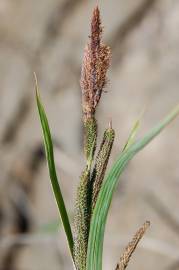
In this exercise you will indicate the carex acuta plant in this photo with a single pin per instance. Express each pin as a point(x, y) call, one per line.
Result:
point(95, 189)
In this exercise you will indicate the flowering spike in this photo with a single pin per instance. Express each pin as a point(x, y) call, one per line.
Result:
point(94, 68)
point(93, 79)
point(101, 163)
point(81, 221)
point(125, 258)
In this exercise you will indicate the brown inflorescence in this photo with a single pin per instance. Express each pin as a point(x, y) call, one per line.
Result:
point(94, 68)
point(125, 258)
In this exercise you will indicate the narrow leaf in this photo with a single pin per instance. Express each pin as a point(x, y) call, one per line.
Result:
point(133, 133)
point(52, 170)
point(97, 227)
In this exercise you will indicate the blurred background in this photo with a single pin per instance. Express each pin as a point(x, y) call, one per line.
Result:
point(48, 36)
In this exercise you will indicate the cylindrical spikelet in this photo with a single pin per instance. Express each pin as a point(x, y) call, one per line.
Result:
point(90, 136)
point(101, 163)
point(125, 258)
point(81, 221)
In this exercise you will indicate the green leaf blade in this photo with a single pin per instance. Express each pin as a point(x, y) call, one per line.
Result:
point(96, 236)
point(52, 171)
point(132, 135)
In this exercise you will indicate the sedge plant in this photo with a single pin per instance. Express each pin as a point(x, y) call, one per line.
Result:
point(96, 188)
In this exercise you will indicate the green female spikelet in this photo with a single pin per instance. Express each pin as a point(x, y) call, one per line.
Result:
point(90, 136)
point(101, 163)
point(81, 221)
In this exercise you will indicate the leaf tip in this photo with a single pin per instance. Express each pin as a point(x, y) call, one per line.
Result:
point(36, 86)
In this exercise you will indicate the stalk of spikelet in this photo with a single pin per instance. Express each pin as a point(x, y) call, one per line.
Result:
point(125, 258)
point(101, 163)
point(93, 79)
